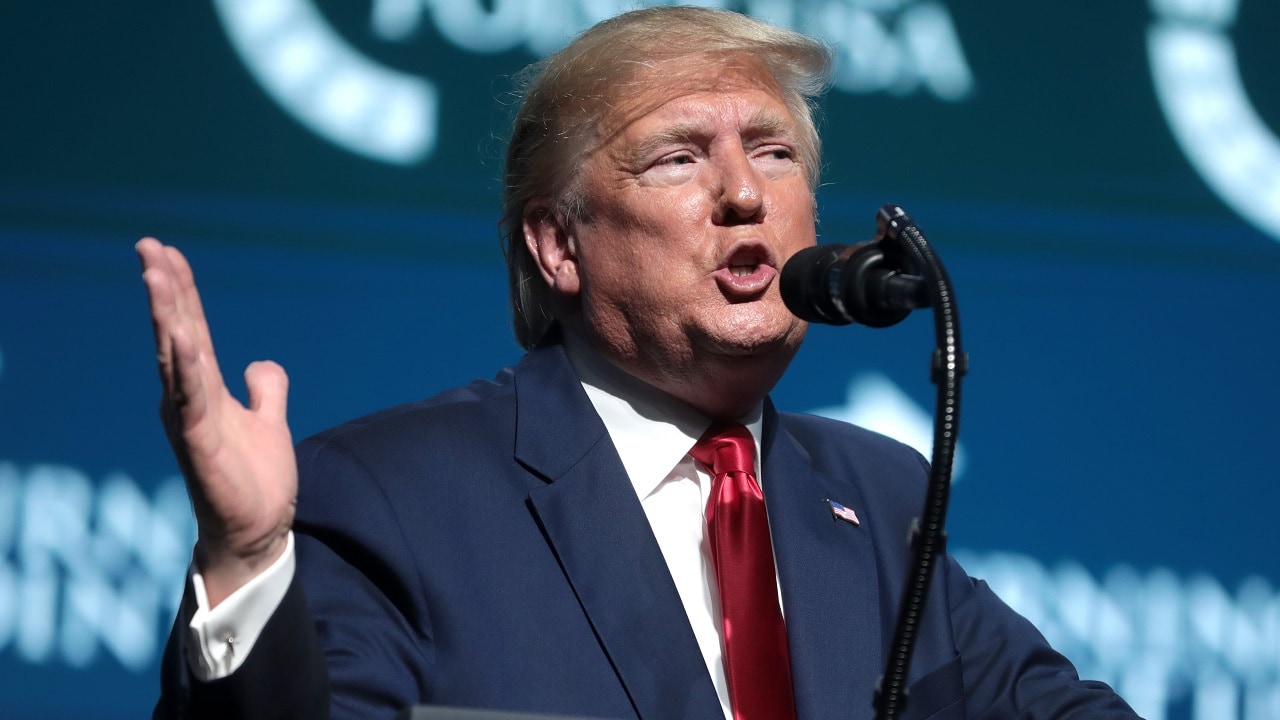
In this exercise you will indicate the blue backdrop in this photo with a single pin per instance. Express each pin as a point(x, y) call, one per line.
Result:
point(1102, 180)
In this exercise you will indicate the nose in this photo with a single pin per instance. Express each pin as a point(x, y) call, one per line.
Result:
point(739, 195)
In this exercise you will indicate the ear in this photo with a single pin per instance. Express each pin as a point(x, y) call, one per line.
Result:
point(552, 247)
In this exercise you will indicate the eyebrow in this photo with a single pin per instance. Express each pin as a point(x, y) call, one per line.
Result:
point(767, 123)
point(762, 123)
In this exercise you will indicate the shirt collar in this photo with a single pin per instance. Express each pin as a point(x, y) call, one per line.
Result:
point(651, 430)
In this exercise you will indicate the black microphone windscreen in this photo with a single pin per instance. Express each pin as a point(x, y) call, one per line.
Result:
point(805, 285)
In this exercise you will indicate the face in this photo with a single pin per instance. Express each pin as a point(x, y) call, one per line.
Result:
point(692, 206)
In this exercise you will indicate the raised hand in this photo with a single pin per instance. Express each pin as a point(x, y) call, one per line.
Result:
point(238, 461)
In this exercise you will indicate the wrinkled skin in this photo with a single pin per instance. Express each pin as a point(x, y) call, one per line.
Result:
point(692, 206)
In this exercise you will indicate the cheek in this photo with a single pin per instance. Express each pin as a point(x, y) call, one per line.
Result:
point(794, 209)
point(691, 205)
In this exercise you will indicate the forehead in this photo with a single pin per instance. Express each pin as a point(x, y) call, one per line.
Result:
point(691, 91)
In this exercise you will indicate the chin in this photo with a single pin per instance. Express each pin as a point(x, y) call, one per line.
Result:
point(750, 330)
point(762, 342)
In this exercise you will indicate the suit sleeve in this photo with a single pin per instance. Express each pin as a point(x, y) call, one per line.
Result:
point(284, 677)
point(362, 586)
point(347, 640)
point(1009, 669)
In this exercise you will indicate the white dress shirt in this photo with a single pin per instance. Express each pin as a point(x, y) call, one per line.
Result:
point(653, 434)
point(220, 638)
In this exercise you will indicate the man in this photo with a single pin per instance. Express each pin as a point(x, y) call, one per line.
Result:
point(554, 540)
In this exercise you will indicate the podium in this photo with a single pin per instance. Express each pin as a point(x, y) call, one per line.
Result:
point(431, 712)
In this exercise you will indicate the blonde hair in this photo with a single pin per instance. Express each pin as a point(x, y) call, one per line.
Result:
point(567, 95)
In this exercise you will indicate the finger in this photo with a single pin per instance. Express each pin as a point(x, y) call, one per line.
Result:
point(191, 311)
point(156, 279)
point(268, 389)
point(189, 396)
point(185, 292)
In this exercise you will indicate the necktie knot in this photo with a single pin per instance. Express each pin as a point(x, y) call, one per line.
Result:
point(726, 448)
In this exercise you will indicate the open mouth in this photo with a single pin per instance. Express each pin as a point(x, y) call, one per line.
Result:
point(747, 271)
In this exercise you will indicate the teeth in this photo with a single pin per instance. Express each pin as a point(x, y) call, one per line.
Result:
point(741, 270)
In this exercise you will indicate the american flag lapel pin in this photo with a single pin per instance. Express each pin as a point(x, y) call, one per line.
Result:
point(840, 512)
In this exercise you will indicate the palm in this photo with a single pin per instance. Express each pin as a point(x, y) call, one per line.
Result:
point(241, 460)
point(238, 461)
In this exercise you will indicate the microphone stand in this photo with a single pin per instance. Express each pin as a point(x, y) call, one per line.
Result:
point(950, 363)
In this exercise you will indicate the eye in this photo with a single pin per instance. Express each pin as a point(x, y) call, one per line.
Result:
point(673, 168)
point(775, 160)
point(776, 152)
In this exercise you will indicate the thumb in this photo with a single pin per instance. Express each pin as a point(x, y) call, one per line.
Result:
point(268, 389)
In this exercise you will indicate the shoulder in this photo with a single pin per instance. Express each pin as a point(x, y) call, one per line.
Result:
point(464, 432)
point(459, 409)
point(832, 444)
point(483, 411)
point(425, 454)
point(890, 477)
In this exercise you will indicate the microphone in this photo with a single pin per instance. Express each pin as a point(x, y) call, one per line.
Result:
point(878, 284)
point(869, 283)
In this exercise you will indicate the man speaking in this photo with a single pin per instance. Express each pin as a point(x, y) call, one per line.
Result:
point(621, 525)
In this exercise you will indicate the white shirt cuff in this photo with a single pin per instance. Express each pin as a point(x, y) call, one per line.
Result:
point(220, 638)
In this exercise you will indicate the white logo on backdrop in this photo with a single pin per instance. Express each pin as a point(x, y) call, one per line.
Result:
point(1174, 647)
point(874, 402)
point(331, 88)
point(1197, 80)
point(89, 569)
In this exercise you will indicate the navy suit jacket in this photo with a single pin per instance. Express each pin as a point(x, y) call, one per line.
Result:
point(485, 548)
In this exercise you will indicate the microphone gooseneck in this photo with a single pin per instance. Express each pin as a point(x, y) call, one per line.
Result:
point(878, 284)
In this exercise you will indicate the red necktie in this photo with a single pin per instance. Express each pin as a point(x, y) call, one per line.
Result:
point(755, 639)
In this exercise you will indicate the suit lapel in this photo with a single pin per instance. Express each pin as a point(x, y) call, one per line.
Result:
point(593, 521)
point(827, 571)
